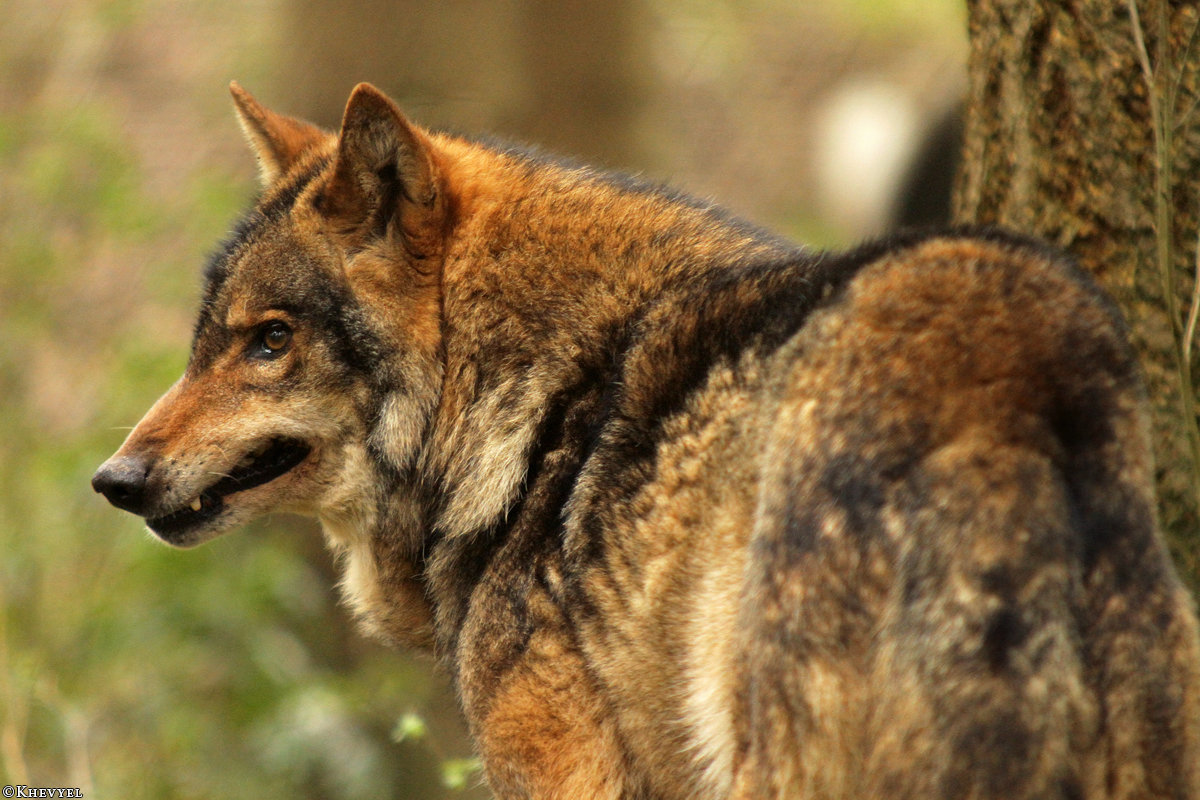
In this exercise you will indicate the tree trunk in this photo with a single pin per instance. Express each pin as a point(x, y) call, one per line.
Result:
point(1079, 130)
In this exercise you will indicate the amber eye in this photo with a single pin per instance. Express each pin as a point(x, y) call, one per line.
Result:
point(276, 336)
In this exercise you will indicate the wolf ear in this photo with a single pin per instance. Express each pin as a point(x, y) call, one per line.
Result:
point(278, 141)
point(384, 173)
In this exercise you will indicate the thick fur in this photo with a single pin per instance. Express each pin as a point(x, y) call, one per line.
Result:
point(686, 511)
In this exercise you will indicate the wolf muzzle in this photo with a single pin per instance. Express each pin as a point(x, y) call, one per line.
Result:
point(123, 481)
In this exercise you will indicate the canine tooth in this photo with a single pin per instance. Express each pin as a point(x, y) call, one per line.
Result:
point(196, 504)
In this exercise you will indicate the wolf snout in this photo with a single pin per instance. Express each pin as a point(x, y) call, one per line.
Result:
point(123, 482)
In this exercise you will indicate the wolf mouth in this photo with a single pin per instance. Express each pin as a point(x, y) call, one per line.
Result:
point(279, 457)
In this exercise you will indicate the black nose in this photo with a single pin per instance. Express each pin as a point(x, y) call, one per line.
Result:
point(123, 481)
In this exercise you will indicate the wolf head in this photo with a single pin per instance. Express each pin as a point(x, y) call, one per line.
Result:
point(315, 363)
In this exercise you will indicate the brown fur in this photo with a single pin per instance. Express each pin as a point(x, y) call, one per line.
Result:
point(684, 510)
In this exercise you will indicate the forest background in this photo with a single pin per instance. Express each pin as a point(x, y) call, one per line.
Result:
point(130, 670)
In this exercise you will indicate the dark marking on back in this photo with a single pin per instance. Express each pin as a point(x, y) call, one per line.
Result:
point(1004, 632)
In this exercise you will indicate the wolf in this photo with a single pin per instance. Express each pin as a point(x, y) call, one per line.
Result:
point(684, 509)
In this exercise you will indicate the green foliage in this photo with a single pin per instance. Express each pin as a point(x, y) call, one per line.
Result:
point(128, 669)
point(458, 773)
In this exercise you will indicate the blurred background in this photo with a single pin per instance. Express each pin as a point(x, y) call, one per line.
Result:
point(133, 671)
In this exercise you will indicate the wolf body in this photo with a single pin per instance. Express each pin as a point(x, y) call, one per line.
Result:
point(685, 510)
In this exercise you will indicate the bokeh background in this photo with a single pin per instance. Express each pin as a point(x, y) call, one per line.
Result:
point(133, 671)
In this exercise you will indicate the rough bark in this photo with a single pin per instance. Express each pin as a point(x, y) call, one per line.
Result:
point(1061, 140)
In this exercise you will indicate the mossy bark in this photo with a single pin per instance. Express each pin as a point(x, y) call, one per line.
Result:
point(1079, 129)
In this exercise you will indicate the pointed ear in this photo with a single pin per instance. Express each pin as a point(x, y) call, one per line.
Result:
point(278, 141)
point(384, 173)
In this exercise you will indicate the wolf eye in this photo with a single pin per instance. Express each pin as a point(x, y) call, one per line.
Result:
point(275, 338)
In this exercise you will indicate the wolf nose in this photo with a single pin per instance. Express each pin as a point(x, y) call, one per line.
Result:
point(122, 480)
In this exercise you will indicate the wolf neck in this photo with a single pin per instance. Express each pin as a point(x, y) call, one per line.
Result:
point(548, 270)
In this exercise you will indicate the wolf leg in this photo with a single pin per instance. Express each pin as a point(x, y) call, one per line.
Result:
point(544, 735)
